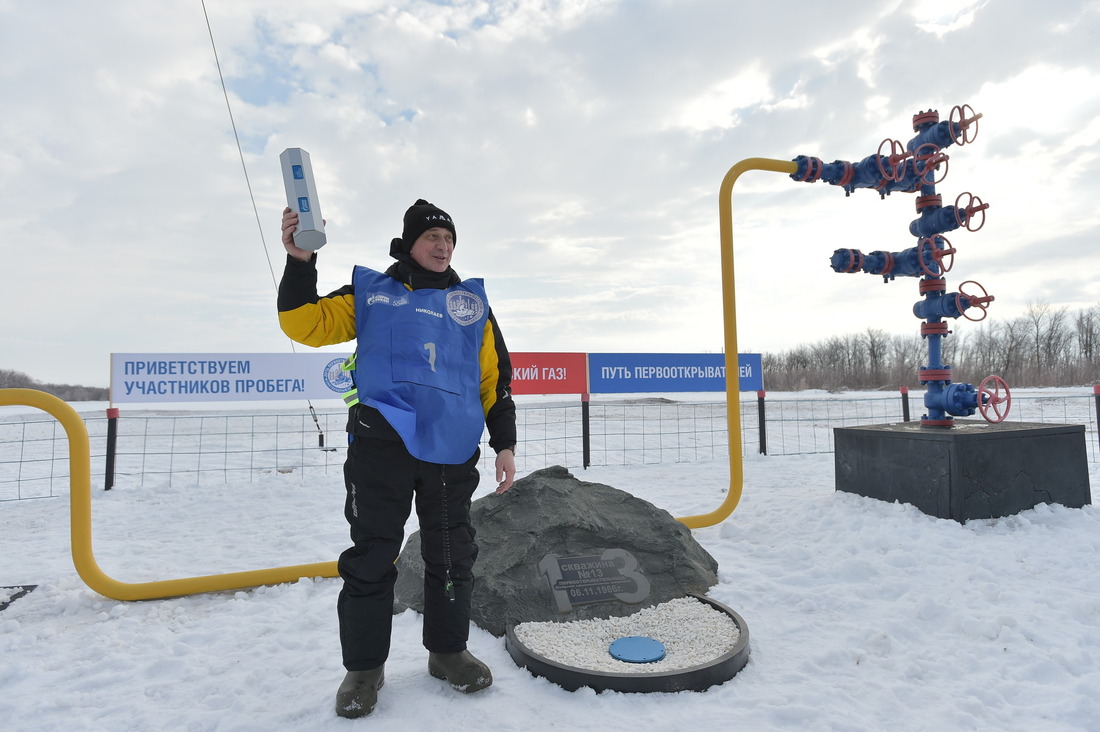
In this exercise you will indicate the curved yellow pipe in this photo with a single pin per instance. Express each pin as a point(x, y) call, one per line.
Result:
point(80, 457)
point(80, 522)
point(729, 315)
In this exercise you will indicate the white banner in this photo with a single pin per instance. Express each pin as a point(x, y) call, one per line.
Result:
point(226, 377)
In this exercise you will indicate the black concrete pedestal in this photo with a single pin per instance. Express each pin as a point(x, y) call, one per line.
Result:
point(969, 471)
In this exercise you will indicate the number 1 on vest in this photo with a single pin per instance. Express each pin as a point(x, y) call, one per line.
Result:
point(430, 348)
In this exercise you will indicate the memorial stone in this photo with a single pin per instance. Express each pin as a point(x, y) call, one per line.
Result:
point(555, 548)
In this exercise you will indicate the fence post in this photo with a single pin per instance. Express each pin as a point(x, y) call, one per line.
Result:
point(1096, 395)
point(762, 425)
point(586, 457)
point(112, 443)
point(905, 403)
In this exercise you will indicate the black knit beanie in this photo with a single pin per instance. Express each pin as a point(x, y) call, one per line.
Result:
point(420, 217)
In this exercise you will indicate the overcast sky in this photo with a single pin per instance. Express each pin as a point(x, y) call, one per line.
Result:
point(578, 144)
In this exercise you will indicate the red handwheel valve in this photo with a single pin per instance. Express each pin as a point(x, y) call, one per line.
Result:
point(943, 258)
point(994, 396)
point(962, 119)
point(981, 302)
point(927, 162)
point(965, 214)
point(892, 166)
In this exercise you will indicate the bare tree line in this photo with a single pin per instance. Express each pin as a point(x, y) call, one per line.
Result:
point(17, 380)
point(1046, 346)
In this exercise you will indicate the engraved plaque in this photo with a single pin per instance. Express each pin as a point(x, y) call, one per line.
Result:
point(613, 575)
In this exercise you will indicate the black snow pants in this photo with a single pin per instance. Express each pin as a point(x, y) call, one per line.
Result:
point(383, 482)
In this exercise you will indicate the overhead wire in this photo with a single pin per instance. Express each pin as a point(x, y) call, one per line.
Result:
point(240, 151)
point(252, 197)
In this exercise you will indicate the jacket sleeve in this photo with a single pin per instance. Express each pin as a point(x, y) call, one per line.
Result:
point(496, 387)
point(308, 318)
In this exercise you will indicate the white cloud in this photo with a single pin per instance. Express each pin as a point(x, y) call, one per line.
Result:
point(941, 17)
point(566, 211)
point(717, 107)
point(340, 55)
point(1047, 99)
point(304, 33)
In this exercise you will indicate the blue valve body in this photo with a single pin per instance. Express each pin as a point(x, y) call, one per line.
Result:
point(911, 175)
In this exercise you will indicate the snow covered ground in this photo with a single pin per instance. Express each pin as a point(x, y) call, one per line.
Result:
point(863, 616)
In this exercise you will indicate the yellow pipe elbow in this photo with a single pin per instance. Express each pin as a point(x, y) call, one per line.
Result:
point(80, 522)
point(729, 316)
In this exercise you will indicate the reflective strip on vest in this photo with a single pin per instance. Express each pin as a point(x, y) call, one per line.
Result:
point(351, 396)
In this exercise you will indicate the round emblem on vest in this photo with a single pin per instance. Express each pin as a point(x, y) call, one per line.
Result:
point(336, 378)
point(464, 307)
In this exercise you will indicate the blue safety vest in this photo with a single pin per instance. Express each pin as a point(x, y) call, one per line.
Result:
point(417, 361)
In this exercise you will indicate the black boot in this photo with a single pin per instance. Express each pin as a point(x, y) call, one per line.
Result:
point(358, 693)
point(461, 670)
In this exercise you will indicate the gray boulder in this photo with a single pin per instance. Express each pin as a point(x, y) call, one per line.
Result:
point(554, 548)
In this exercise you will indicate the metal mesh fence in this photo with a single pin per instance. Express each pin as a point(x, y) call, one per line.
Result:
point(167, 447)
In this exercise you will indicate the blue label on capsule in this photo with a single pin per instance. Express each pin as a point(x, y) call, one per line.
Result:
point(303, 204)
point(299, 174)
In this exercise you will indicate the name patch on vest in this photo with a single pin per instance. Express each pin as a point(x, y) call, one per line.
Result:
point(464, 307)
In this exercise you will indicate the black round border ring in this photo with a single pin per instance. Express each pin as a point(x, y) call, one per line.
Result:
point(693, 678)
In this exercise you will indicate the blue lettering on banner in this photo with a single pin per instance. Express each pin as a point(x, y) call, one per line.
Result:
point(299, 174)
point(270, 386)
point(173, 387)
point(202, 367)
point(170, 387)
point(303, 204)
point(619, 373)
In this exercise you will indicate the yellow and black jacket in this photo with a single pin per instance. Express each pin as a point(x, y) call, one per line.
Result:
point(313, 320)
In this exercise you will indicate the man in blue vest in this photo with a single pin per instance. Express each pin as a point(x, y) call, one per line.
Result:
point(431, 371)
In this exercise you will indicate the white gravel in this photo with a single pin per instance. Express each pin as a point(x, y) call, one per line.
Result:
point(693, 633)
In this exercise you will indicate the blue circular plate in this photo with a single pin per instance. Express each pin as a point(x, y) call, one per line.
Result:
point(637, 649)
